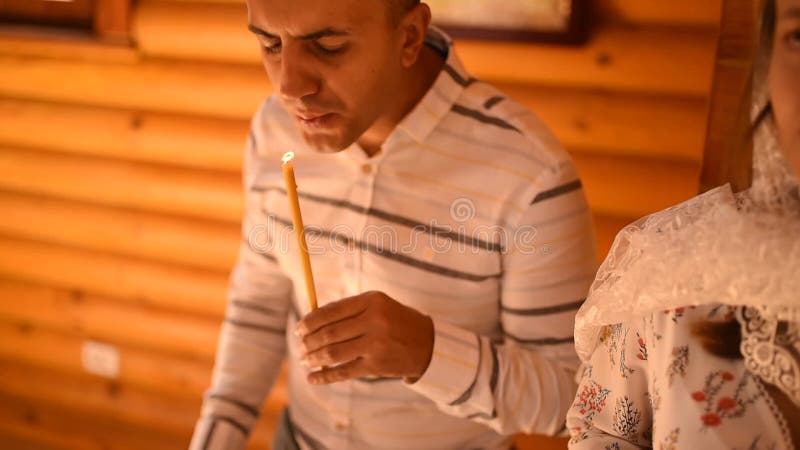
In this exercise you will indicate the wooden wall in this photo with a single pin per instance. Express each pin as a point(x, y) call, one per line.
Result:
point(120, 200)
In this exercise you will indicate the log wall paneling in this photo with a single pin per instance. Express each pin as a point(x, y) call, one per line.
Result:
point(120, 193)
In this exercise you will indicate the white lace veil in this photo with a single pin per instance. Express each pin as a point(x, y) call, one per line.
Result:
point(720, 247)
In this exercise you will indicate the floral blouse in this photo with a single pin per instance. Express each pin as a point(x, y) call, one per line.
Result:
point(651, 384)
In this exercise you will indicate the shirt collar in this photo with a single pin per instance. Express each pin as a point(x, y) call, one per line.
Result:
point(442, 95)
point(435, 104)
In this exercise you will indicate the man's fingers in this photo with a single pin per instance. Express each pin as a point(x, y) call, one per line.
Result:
point(330, 355)
point(341, 331)
point(332, 312)
point(347, 371)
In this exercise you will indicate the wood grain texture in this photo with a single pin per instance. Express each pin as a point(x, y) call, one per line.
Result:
point(153, 284)
point(648, 59)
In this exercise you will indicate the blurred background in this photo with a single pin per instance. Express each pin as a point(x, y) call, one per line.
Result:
point(122, 125)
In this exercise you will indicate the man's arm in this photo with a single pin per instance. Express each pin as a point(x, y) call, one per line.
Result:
point(252, 343)
point(525, 383)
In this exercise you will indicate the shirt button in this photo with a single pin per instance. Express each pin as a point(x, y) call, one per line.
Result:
point(367, 169)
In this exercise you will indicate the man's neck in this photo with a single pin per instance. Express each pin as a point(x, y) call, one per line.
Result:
point(420, 79)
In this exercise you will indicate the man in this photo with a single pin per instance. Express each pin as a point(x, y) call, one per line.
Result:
point(450, 240)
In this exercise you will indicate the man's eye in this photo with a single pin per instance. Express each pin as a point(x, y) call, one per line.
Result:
point(272, 49)
point(330, 46)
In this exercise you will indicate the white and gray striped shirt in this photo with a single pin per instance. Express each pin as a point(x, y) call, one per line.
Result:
point(471, 213)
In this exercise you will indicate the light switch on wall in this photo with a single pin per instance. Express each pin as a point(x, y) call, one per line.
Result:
point(100, 359)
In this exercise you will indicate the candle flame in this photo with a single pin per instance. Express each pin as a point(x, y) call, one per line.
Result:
point(288, 156)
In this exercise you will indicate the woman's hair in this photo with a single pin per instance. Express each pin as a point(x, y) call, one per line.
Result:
point(723, 339)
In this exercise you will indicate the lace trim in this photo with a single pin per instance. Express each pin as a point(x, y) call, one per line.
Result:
point(776, 414)
point(770, 349)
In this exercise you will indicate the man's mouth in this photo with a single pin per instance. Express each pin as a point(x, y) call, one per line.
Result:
point(314, 119)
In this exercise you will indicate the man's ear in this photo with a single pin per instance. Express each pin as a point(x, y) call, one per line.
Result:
point(414, 26)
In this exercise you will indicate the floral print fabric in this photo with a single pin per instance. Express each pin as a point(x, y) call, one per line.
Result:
point(651, 384)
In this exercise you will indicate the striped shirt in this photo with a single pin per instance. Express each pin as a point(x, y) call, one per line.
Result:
point(472, 213)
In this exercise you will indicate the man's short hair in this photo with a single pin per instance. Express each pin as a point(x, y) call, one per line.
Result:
point(399, 7)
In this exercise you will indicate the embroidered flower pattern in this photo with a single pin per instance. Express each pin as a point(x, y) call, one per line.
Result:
point(642, 353)
point(626, 418)
point(723, 397)
point(670, 442)
point(680, 360)
point(613, 338)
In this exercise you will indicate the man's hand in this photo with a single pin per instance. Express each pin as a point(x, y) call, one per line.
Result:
point(366, 335)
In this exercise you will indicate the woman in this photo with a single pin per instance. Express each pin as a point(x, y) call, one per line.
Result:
point(690, 337)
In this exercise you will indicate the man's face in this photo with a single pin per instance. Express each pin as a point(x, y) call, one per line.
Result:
point(785, 79)
point(333, 64)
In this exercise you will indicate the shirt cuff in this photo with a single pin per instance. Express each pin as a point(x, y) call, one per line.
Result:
point(454, 364)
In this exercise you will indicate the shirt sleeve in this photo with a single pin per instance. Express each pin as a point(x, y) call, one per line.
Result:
point(524, 382)
point(252, 342)
point(612, 406)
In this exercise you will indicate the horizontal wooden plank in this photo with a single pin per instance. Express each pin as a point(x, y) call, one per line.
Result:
point(194, 242)
point(650, 59)
point(185, 140)
point(118, 321)
point(91, 396)
point(675, 12)
point(627, 187)
point(161, 285)
point(224, 90)
point(20, 41)
point(592, 121)
point(633, 188)
point(193, 193)
point(149, 371)
point(606, 229)
point(616, 123)
point(37, 425)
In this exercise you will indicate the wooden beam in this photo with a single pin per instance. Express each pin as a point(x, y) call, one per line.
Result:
point(192, 193)
point(156, 284)
point(606, 229)
point(652, 59)
point(591, 121)
point(112, 20)
point(89, 397)
point(222, 90)
point(648, 186)
point(173, 139)
point(36, 425)
point(168, 376)
point(192, 242)
point(616, 123)
point(92, 394)
point(612, 184)
point(28, 43)
point(705, 13)
point(676, 12)
point(116, 320)
point(728, 156)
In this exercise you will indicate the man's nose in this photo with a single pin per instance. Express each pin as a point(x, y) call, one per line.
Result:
point(297, 79)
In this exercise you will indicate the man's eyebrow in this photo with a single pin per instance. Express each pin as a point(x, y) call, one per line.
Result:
point(306, 37)
point(254, 29)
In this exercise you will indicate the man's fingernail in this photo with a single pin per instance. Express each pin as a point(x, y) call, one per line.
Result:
point(304, 362)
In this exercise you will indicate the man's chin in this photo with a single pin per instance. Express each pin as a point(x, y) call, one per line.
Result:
point(325, 144)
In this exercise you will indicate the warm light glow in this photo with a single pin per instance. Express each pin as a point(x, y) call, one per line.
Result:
point(288, 156)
